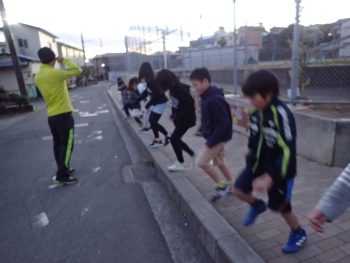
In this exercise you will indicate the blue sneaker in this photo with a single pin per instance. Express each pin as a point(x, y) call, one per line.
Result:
point(295, 241)
point(254, 211)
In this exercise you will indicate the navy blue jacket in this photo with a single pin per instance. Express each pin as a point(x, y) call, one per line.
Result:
point(216, 117)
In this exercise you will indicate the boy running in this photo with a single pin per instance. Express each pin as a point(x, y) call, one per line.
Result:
point(216, 124)
point(271, 160)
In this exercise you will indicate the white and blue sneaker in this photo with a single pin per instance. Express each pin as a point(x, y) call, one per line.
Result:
point(295, 241)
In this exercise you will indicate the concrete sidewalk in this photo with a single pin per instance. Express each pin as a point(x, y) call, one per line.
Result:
point(268, 234)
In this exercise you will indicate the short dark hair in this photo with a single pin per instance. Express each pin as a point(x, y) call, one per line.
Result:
point(261, 82)
point(146, 72)
point(167, 79)
point(46, 55)
point(200, 74)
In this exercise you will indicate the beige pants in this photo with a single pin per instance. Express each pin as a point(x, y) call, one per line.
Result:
point(216, 153)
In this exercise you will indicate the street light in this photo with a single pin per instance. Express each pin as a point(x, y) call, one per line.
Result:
point(103, 65)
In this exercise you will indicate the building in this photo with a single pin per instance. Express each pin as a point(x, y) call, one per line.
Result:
point(251, 35)
point(28, 40)
point(71, 52)
point(112, 65)
point(8, 79)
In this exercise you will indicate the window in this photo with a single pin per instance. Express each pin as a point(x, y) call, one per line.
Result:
point(22, 43)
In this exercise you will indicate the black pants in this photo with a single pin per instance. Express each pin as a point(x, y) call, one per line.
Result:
point(126, 109)
point(62, 130)
point(178, 144)
point(155, 126)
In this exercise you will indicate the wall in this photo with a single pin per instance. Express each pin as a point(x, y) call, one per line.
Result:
point(32, 36)
point(216, 57)
point(48, 41)
point(323, 140)
point(8, 80)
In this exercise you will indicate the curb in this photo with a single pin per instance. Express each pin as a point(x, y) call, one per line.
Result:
point(221, 241)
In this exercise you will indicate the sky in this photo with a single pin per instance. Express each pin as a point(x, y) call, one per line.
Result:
point(108, 21)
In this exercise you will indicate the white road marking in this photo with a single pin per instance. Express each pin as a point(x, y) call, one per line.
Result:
point(84, 101)
point(97, 169)
point(81, 125)
point(41, 220)
point(47, 138)
point(86, 114)
point(75, 110)
point(102, 111)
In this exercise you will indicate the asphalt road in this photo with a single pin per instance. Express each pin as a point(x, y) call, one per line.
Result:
point(101, 219)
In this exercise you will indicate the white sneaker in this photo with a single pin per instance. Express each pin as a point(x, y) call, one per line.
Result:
point(177, 167)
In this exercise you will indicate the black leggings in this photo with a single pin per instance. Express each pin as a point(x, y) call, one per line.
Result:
point(126, 108)
point(155, 126)
point(178, 144)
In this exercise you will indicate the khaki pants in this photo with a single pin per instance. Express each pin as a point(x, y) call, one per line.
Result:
point(216, 153)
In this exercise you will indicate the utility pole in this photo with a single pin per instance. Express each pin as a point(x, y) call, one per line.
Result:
point(165, 57)
point(83, 47)
point(294, 83)
point(235, 81)
point(202, 42)
point(14, 57)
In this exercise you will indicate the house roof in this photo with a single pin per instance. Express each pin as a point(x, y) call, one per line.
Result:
point(23, 60)
point(22, 57)
point(36, 28)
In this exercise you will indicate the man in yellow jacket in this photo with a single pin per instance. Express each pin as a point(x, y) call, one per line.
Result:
point(53, 87)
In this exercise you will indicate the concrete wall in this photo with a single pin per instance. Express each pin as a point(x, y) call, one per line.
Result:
point(342, 144)
point(323, 140)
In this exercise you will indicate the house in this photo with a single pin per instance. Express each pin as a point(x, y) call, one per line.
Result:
point(28, 40)
point(8, 76)
point(71, 52)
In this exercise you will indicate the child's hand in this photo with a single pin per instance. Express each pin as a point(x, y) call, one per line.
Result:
point(263, 183)
point(317, 220)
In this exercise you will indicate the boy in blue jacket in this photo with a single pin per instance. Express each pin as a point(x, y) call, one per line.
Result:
point(271, 160)
point(216, 124)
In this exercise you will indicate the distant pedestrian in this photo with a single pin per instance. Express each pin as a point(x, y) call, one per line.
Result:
point(53, 87)
point(271, 160)
point(133, 94)
point(183, 115)
point(123, 88)
point(333, 203)
point(216, 124)
point(157, 104)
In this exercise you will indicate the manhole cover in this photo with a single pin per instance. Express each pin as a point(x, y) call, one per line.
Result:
point(139, 173)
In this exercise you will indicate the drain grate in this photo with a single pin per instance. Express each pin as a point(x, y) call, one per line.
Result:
point(142, 172)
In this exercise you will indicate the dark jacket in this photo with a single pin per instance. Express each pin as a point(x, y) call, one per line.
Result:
point(133, 97)
point(216, 117)
point(182, 104)
point(157, 96)
point(254, 140)
point(278, 149)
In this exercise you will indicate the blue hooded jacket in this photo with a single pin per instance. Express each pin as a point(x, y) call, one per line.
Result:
point(216, 117)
